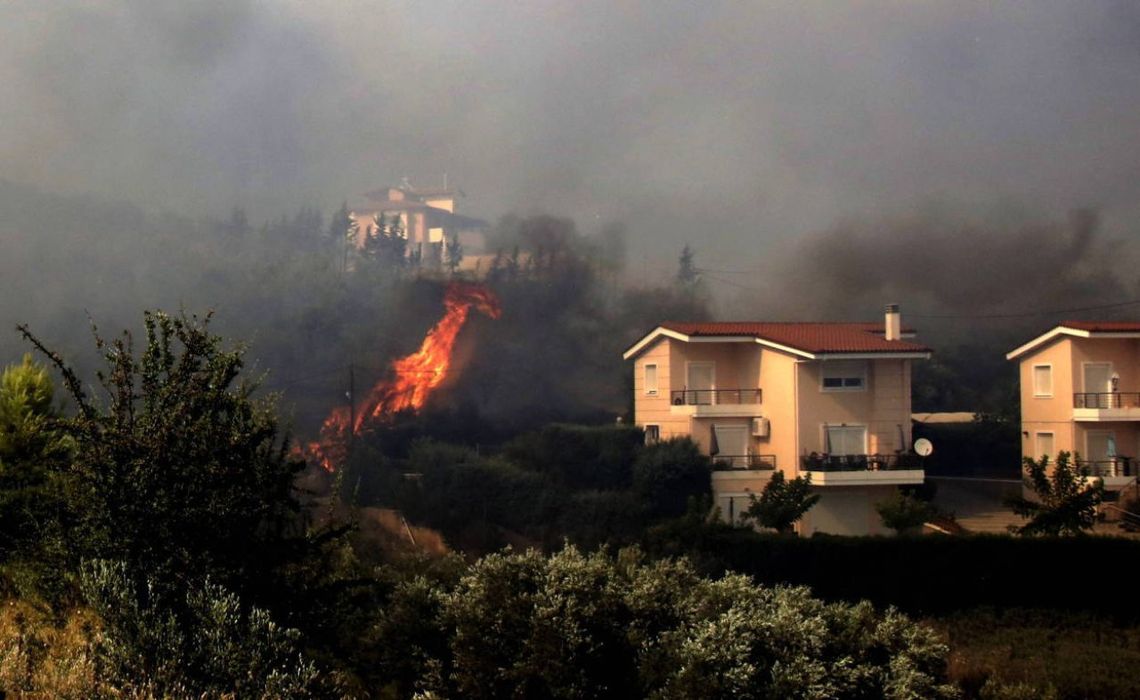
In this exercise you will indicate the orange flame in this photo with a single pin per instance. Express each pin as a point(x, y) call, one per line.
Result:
point(416, 376)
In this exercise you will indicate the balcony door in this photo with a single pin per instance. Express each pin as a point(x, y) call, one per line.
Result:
point(1098, 381)
point(732, 443)
point(846, 439)
point(700, 382)
point(1100, 446)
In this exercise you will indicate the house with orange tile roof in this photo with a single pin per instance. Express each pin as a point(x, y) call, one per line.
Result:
point(829, 400)
point(427, 217)
point(1080, 393)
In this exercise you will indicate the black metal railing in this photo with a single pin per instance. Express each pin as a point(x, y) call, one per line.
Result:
point(1107, 399)
point(712, 397)
point(750, 462)
point(817, 462)
point(1117, 466)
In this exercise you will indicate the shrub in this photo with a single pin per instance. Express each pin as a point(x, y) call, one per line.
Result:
point(903, 511)
point(668, 473)
point(208, 644)
point(577, 625)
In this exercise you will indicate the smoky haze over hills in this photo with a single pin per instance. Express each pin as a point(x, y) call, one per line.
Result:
point(821, 158)
point(733, 126)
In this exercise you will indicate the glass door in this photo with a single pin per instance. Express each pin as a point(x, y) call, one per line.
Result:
point(1098, 384)
point(700, 383)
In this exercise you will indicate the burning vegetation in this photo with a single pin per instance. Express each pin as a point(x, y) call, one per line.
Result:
point(413, 379)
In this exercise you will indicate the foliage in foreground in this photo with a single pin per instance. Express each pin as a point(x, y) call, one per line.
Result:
point(177, 468)
point(589, 625)
point(1066, 499)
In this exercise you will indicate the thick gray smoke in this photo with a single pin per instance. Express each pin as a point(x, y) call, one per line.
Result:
point(727, 125)
point(945, 266)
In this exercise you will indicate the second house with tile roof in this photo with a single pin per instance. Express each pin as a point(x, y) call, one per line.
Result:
point(827, 399)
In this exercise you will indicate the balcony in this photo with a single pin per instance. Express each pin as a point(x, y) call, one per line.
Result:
point(1115, 472)
point(863, 470)
point(744, 462)
point(1106, 406)
point(706, 403)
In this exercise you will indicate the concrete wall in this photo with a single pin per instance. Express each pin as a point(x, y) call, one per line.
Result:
point(846, 510)
point(882, 407)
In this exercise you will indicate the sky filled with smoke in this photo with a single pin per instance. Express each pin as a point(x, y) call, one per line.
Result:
point(734, 126)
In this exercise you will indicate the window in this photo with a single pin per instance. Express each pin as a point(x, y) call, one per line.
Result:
point(1043, 380)
point(845, 439)
point(651, 379)
point(1044, 446)
point(652, 434)
point(844, 376)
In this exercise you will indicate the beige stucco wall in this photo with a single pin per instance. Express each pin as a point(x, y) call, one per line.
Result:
point(1123, 353)
point(1054, 414)
point(778, 381)
point(736, 363)
point(882, 408)
point(654, 409)
point(796, 408)
point(1049, 414)
point(846, 510)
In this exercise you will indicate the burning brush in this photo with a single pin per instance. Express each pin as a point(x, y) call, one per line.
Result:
point(414, 378)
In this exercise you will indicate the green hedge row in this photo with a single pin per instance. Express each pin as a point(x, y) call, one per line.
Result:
point(925, 575)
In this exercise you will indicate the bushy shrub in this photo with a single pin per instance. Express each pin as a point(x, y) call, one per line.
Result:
point(207, 645)
point(581, 457)
point(903, 511)
point(578, 625)
point(666, 475)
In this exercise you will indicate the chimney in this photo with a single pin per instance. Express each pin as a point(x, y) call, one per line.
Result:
point(892, 323)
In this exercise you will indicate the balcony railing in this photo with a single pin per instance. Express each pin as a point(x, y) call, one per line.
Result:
point(1118, 466)
point(713, 397)
point(816, 462)
point(1107, 399)
point(748, 462)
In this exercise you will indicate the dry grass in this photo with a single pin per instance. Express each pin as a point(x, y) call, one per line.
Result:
point(45, 657)
point(1042, 654)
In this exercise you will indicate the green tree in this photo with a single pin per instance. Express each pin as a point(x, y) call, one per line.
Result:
point(781, 503)
point(667, 474)
point(179, 469)
point(1065, 498)
point(213, 647)
point(903, 511)
point(33, 457)
point(590, 625)
point(384, 244)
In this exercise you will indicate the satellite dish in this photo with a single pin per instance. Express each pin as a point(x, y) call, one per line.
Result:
point(923, 447)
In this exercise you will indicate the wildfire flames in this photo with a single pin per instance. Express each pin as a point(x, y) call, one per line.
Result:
point(413, 379)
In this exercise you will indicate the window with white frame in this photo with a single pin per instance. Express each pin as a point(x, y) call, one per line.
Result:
point(1043, 446)
point(650, 379)
point(846, 439)
point(844, 375)
point(652, 434)
point(1043, 380)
